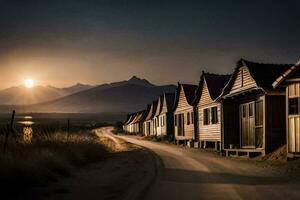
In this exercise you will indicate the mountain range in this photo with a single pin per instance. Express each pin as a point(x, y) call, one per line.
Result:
point(20, 95)
point(124, 96)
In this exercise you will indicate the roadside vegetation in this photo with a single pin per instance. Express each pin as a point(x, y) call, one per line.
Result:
point(48, 156)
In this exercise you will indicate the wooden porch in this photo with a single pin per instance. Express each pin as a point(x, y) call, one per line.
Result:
point(246, 153)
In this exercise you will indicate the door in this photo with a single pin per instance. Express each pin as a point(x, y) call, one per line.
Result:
point(247, 125)
point(180, 126)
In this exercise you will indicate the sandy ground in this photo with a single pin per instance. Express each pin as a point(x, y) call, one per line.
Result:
point(126, 174)
point(197, 174)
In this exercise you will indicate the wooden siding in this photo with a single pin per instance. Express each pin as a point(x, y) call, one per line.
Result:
point(165, 107)
point(210, 132)
point(189, 130)
point(205, 96)
point(243, 81)
point(157, 112)
point(275, 123)
point(294, 90)
point(162, 128)
point(294, 134)
point(293, 129)
point(184, 107)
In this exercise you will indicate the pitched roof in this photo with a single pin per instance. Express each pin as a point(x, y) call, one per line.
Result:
point(263, 74)
point(292, 71)
point(127, 119)
point(137, 117)
point(189, 91)
point(152, 111)
point(132, 116)
point(215, 84)
point(170, 100)
point(159, 106)
point(145, 114)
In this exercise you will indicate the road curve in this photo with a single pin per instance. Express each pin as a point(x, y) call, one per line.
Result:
point(195, 174)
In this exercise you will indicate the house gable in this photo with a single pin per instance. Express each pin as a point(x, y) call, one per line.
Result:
point(205, 96)
point(164, 106)
point(243, 80)
point(158, 108)
point(182, 101)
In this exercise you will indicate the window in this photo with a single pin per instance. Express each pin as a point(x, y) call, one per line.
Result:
point(192, 117)
point(244, 111)
point(206, 116)
point(251, 109)
point(188, 118)
point(214, 115)
point(175, 120)
point(259, 113)
point(163, 120)
point(294, 106)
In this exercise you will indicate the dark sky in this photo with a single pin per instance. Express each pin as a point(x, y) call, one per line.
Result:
point(64, 42)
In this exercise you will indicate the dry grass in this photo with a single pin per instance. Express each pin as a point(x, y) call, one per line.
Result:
point(47, 157)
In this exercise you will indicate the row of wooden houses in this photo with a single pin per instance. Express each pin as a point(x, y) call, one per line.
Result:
point(250, 112)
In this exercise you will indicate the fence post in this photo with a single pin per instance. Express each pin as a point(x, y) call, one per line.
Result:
point(68, 127)
point(11, 128)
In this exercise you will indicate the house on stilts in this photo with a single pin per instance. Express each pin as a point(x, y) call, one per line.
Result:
point(253, 111)
point(290, 81)
point(184, 126)
point(208, 109)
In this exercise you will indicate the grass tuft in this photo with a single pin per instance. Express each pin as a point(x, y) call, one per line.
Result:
point(47, 157)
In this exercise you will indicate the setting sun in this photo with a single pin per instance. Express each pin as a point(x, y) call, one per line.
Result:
point(29, 83)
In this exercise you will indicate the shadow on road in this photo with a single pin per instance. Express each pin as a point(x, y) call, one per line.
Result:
point(201, 177)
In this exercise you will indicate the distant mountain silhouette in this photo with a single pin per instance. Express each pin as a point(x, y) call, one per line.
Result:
point(125, 96)
point(21, 95)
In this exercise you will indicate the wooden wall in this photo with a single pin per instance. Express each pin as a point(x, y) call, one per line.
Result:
point(211, 132)
point(293, 129)
point(183, 107)
point(230, 123)
point(275, 126)
point(243, 80)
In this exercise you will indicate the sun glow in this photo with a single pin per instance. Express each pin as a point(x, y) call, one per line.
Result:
point(29, 83)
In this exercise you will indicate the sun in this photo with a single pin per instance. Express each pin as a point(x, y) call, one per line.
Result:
point(29, 83)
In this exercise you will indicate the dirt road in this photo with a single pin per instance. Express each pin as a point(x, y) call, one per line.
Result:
point(125, 174)
point(195, 174)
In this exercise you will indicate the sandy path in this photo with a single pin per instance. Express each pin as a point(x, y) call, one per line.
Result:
point(195, 174)
point(126, 174)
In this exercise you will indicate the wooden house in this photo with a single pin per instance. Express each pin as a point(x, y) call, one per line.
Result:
point(253, 112)
point(165, 117)
point(136, 125)
point(208, 109)
point(290, 80)
point(184, 126)
point(156, 116)
point(126, 122)
point(127, 125)
point(148, 125)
